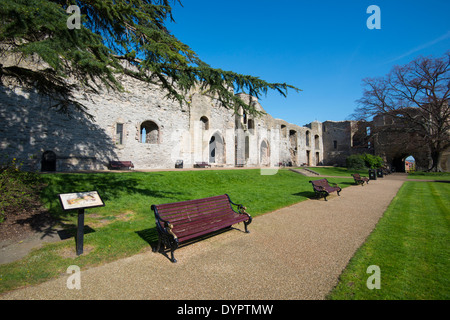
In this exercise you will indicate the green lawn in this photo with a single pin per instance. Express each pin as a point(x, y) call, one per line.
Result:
point(440, 176)
point(126, 225)
point(338, 171)
point(410, 245)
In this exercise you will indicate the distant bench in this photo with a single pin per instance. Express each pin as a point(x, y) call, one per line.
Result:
point(201, 165)
point(118, 165)
point(179, 222)
point(322, 188)
point(360, 180)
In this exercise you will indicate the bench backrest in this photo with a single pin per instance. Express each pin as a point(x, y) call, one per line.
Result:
point(320, 183)
point(356, 175)
point(194, 218)
point(194, 210)
point(121, 163)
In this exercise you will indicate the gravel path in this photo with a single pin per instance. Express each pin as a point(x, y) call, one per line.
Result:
point(296, 252)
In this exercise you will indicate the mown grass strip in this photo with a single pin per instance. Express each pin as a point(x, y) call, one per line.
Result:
point(410, 245)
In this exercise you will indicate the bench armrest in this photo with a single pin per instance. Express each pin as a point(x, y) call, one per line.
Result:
point(166, 226)
point(241, 209)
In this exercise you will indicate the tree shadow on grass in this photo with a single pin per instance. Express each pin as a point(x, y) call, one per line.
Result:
point(109, 186)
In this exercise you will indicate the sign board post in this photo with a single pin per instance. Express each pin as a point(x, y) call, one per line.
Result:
point(80, 201)
point(80, 232)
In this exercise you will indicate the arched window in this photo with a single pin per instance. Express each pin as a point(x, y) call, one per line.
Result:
point(316, 142)
point(149, 132)
point(307, 138)
point(283, 130)
point(293, 138)
point(205, 123)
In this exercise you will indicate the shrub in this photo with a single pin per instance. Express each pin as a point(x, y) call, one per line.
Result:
point(362, 161)
point(17, 188)
point(355, 162)
point(372, 162)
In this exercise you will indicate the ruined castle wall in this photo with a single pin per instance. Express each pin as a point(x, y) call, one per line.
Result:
point(142, 126)
point(337, 142)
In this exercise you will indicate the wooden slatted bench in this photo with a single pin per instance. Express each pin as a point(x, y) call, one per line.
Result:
point(322, 188)
point(360, 180)
point(202, 165)
point(179, 222)
point(121, 165)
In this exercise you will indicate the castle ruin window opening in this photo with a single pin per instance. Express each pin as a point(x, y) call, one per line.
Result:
point(316, 142)
point(293, 138)
point(283, 130)
point(149, 132)
point(119, 133)
point(307, 138)
point(205, 123)
point(251, 126)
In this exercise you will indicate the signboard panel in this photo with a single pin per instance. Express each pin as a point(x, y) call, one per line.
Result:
point(80, 200)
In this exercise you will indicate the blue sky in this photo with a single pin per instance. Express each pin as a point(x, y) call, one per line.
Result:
point(321, 47)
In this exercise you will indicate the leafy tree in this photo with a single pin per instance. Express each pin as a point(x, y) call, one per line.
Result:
point(116, 37)
point(416, 96)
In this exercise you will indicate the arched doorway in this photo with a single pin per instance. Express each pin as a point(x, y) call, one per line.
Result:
point(149, 132)
point(216, 149)
point(410, 164)
point(48, 161)
point(264, 154)
point(404, 163)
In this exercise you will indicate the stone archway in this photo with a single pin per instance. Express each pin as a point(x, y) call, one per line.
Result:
point(149, 132)
point(264, 153)
point(217, 149)
point(398, 162)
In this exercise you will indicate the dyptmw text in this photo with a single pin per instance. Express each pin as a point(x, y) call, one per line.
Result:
point(227, 309)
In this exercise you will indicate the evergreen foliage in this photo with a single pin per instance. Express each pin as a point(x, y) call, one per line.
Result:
point(112, 32)
point(366, 160)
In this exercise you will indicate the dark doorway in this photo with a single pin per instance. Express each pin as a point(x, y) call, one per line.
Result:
point(48, 162)
point(398, 164)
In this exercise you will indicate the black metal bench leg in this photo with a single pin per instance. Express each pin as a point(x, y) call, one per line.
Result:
point(245, 226)
point(172, 258)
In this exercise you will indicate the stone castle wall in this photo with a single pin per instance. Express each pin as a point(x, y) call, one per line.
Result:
point(200, 131)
